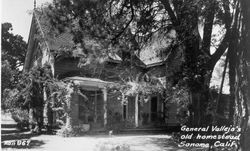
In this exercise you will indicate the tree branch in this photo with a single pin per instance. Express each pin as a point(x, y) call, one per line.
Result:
point(230, 31)
point(170, 12)
point(220, 50)
point(131, 19)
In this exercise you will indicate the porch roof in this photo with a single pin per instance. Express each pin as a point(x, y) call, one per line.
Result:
point(89, 83)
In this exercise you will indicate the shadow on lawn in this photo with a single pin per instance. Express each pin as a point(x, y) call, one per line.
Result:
point(15, 136)
point(36, 143)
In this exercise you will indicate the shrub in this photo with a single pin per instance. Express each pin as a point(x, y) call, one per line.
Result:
point(66, 132)
point(21, 117)
point(115, 121)
point(108, 146)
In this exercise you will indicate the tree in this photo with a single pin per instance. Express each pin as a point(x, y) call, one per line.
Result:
point(13, 47)
point(6, 80)
point(6, 75)
point(239, 72)
point(13, 56)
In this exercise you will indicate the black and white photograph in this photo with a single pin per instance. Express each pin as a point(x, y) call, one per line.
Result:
point(125, 75)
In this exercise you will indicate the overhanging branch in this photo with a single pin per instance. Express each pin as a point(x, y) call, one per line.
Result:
point(131, 19)
point(170, 12)
point(220, 50)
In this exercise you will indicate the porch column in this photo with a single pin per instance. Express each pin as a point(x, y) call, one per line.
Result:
point(95, 106)
point(149, 117)
point(104, 90)
point(136, 110)
point(45, 109)
point(75, 108)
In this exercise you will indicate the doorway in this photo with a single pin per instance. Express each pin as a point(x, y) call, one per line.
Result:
point(153, 109)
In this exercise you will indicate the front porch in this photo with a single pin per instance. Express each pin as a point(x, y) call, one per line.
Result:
point(103, 110)
point(92, 109)
point(150, 114)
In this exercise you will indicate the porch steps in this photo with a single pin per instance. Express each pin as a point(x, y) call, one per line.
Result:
point(9, 130)
point(8, 125)
point(4, 125)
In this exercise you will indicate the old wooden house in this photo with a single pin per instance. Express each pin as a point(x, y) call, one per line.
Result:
point(104, 108)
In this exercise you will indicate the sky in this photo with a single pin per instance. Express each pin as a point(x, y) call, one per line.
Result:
point(19, 14)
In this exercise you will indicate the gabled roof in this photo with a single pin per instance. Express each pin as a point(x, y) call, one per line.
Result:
point(150, 55)
point(62, 40)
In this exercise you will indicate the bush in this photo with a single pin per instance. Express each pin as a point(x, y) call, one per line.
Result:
point(66, 132)
point(21, 117)
point(10, 99)
point(108, 146)
point(115, 121)
point(130, 122)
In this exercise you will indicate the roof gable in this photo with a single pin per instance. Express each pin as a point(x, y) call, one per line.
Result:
point(153, 53)
point(56, 42)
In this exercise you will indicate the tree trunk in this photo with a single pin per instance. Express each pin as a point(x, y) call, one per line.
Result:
point(241, 109)
point(232, 64)
point(240, 83)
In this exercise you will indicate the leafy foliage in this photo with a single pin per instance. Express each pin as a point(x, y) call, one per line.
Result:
point(13, 56)
point(127, 25)
point(21, 117)
point(135, 83)
point(107, 146)
point(13, 47)
point(7, 77)
point(29, 93)
point(60, 96)
point(105, 29)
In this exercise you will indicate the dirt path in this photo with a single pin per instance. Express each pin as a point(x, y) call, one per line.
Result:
point(102, 143)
